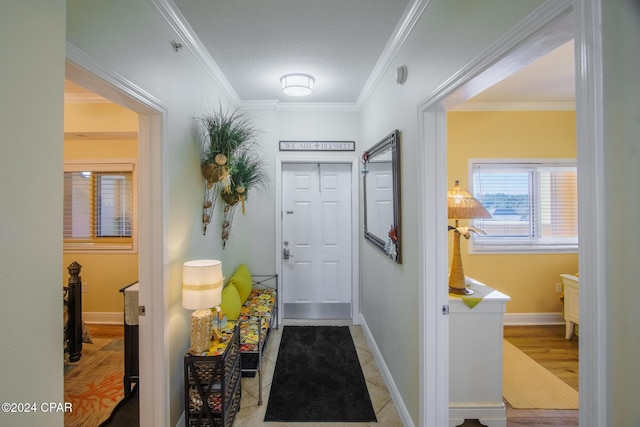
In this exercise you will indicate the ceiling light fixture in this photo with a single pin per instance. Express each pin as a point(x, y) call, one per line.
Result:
point(297, 84)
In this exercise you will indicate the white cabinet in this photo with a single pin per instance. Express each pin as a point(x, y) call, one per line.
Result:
point(475, 360)
point(571, 286)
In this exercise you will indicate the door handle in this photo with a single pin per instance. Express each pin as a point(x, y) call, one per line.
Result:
point(286, 254)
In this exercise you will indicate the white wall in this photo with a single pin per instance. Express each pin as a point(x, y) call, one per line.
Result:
point(133, 40)
point(253, 236)
point(31, 83)
point(130, 37)
point(449, 35)
point(621, 62)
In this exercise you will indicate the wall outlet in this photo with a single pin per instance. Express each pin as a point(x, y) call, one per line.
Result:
point(85, 287)
point(558, 288)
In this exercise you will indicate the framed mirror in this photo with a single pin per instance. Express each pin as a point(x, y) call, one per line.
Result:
point(381, 182)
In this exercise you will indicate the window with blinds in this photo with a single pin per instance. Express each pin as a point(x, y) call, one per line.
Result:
point(533, 204)
point(99, 206)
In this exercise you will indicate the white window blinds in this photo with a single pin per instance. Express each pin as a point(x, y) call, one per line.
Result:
point(99, 206)
point(534, 205)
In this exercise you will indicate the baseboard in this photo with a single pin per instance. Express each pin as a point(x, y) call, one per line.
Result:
point(103, 317)
point(181, 421)
point(530, 319)
point(401, 408)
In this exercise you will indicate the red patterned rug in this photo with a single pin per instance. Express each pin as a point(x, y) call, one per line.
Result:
point(94, 403)
point(93, 385)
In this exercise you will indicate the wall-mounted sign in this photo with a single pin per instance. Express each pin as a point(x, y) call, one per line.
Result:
point(317, 145)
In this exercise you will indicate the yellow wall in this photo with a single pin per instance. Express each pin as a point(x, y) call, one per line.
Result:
point(103, 126)
point(99, 117)
point(529, 279)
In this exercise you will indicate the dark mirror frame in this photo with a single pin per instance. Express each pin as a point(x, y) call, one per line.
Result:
point(390, 142)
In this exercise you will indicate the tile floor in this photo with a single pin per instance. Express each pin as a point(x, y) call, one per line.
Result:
point(252, 415)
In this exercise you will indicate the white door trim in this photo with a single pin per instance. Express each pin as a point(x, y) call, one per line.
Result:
point(547, 25)
point(594, 388)
point(315, 157)
point(152, 245)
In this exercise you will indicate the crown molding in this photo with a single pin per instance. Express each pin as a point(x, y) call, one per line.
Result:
point(269, 104)
point(177, 21)
point(411, 15)
point(492, 66)
point(86, 71)
point(317, 106)
point(275, 105)
point(516, 106)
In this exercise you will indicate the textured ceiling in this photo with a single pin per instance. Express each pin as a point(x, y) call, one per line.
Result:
point(255, 42)
point(550, 79)
point(339, 42)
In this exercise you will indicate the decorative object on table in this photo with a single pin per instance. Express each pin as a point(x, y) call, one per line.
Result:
point(248, 173)
point(462, 205)
point(201, 290)
point(381, 182)
point(222, 135)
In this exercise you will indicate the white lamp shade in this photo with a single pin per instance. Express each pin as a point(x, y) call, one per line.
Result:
point(202, 284)
point(297, 84)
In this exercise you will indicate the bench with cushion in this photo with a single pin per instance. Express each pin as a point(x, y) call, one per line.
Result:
point(251, 301)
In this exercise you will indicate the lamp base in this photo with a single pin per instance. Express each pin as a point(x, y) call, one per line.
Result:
point(457, 279)
point(460, 291)
point(201, 331)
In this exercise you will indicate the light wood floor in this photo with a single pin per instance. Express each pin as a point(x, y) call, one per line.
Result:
point(544, 344)
point(547, 346)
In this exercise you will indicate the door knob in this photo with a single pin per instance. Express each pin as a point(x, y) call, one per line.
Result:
point(286, 254)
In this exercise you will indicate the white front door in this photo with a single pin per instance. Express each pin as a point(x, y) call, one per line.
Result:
point(316, 234)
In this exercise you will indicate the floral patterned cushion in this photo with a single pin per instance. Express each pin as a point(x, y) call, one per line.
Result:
point(255, 318)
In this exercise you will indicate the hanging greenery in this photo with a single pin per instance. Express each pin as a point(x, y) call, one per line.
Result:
point(222, 134)
point(248, 173)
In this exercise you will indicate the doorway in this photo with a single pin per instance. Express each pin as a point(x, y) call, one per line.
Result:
point(516, 48)
point(84, 71)
point(316, 241)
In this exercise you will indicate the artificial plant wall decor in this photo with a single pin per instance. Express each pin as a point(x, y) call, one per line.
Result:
point(230, 164)
point(248, 173)
point(222, 134)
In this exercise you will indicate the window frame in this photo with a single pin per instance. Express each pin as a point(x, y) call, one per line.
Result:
point(115, 165)
point(526, 245)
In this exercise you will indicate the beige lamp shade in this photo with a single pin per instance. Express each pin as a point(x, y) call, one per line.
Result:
point(462, 205)
point(202, 284)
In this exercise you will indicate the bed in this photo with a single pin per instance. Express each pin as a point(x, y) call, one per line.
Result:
point(72, 310)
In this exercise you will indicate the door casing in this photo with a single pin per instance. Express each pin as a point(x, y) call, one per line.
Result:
point(314, 158)
point(316, 307)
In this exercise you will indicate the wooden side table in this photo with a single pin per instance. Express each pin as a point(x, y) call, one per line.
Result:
point(475, 360)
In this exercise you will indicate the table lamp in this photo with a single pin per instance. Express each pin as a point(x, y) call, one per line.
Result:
point(462, 205)
point(201, 290)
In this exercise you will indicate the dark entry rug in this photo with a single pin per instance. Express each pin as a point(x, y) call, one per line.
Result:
point(318, 378)
point(126, 413)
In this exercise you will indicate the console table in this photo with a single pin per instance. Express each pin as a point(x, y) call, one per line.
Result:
point(475, 359)
point(212, 383)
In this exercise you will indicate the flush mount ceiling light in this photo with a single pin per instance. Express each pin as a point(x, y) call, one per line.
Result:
point(297, 84)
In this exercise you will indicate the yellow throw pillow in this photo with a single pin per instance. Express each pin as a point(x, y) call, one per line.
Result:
point(231, 303)
point(241, 279)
